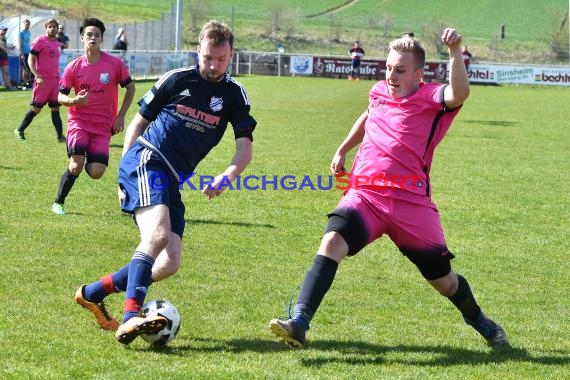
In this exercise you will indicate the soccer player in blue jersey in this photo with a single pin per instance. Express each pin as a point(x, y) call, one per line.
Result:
point(181, 118)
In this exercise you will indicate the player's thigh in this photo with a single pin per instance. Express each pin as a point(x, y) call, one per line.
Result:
point(415, 223)
point(358, 219)
point(416, 230)
point(77, 142)
point(153, 221)
point(98, 149)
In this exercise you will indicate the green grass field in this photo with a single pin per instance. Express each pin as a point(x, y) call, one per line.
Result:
point(500, 180)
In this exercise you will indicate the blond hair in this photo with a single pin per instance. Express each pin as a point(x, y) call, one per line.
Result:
point(409, 44)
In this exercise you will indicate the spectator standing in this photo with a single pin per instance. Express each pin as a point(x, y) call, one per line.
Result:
point(44, 65)
point(24, 40)
point(466, 57)
point(356, 53)
point(62, 37)
point(121, 43)
point(5, 48)
point(120, 31)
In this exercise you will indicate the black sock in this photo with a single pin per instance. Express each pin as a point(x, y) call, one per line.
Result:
point(316, 284)
point(27, 120)
point(56, 120)
point(464, 301)
point(65, 185)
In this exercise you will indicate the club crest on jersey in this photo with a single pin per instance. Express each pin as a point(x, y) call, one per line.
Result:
point(216, 104)
point(104, 78)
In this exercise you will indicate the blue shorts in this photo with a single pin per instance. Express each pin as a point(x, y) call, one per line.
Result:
point(145, 179)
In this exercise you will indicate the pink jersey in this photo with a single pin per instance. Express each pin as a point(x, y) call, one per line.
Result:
point(400, 137)
point(47, 51)
point(101, 80)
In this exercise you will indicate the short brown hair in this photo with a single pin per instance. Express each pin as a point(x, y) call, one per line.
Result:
point(216, 33)
point(51, 21)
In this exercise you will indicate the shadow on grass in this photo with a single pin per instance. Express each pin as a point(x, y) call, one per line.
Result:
point(500, 123)
point(321, 353)
point(229, 223)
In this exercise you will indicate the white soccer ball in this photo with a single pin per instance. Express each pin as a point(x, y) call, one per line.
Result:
point(168, 311)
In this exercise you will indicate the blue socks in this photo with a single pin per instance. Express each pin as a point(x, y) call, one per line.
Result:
point(139, 279)
point(111, 283)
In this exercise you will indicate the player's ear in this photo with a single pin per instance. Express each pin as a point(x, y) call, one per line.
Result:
point(419, 74)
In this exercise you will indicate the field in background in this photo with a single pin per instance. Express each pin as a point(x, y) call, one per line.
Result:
point(500, 180)
point(529, 25)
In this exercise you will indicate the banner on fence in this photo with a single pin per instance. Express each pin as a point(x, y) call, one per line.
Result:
point(519, 74)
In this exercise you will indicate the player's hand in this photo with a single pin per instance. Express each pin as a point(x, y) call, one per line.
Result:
point(337, 164)
point(214, 189)
point(121, 196)
point(451, 38)
point(81, 98)
point(119, 125)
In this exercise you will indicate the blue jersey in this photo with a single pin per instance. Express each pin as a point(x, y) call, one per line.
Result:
point(25, 41)
point(189, 116)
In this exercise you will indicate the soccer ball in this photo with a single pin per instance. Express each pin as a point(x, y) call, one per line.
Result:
point(167, 310)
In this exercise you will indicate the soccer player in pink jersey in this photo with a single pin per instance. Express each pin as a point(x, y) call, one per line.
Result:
point(390, 191)
point(95, 78)
point(44, 64)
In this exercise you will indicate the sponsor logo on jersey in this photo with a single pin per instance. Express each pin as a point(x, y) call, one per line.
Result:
point(185, 93)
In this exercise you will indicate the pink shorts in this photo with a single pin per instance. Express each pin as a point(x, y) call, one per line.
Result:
point(91, 145)
point(46, 93)
point(410, 220)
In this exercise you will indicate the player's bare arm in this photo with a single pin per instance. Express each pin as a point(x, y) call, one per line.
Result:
point(354, 137)
point(242, 157)
point(127, 100)
point(458, 90)
point(32, 59)
point(81, 98)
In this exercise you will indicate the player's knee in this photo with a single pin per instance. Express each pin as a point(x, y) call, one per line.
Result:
point(160, 239)
point(333, 246)
point(95, 173)
point(75, 170)
point(446, 285)
point(433, 263)
point(349, 227)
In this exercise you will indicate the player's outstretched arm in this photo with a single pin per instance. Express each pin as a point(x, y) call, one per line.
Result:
point(127, 101)
point(458, 90)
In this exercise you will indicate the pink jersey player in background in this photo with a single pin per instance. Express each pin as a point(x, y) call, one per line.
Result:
point(43, 61)
point(94, 114)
